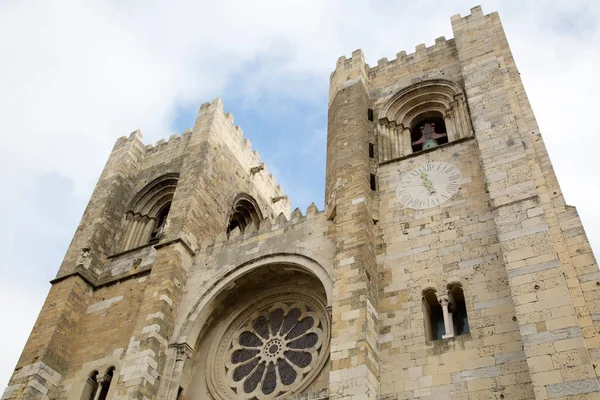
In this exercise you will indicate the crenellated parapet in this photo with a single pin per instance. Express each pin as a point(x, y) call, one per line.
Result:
point(241, 147)
point(403, 58)
point(438, 61)
point(214, 121)
point(267, 227)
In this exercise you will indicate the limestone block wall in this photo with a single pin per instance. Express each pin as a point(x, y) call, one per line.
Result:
point(219, 258)
point(530, 280)
point(105, 331)
point(213, 163)
point(454, 243)
point(296, 253)
point(48, 352)
point(214, 151)
point(551, 312)
point(539, 268)
point(439, 61)
point(105, 208)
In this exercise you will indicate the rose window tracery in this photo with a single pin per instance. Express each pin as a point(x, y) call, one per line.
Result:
point(272, 351)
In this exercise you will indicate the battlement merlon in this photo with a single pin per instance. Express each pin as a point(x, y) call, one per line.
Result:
point(213, 118)
point(348, 69)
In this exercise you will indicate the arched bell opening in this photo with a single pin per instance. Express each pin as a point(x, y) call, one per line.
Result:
point(427, 131)
point(245, 213)
point(422, 116)
point(273, 319)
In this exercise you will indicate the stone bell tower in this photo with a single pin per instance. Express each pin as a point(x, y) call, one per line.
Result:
point(461, 272)
point(446, 264)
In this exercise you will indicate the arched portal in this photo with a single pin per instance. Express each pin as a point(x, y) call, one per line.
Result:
point(261, 331)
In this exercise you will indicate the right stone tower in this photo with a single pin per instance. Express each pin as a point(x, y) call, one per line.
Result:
point(446, 264)
point(459, 271)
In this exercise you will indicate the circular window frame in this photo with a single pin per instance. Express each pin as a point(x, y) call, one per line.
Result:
point(219, 378)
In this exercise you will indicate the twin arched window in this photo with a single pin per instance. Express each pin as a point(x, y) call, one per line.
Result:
point(445, 315)
point(97, 386)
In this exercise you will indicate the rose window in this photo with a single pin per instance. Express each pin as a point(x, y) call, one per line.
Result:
point(274, 351)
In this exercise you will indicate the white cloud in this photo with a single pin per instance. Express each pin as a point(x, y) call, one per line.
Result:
point(77, 74)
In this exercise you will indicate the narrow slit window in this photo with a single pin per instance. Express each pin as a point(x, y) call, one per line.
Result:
point(373, 182)
point(370, 114)
point(161, 221)
point(459, 310)
point(371, 150)
point(433, 316)
point(105, 384)
point(90, 387)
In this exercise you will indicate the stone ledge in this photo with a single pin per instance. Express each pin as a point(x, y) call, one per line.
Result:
point(107, 282)
point(128, 251)
point(173, 241)
point(418, 153)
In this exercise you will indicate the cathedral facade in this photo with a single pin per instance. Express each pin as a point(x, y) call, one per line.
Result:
point(445, 265)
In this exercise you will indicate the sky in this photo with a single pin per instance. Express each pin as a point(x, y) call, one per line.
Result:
point(77, 74)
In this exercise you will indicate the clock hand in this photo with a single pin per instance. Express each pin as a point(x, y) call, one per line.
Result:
point(427, 182)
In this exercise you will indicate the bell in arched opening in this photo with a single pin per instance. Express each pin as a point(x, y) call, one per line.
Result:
point(428, 131)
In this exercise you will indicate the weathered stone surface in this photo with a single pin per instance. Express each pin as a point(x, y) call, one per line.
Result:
point(181, 241)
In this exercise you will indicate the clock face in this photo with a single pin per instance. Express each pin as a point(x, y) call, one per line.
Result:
point(429, 185)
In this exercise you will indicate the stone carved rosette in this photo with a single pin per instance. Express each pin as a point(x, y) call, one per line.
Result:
point(270, 350)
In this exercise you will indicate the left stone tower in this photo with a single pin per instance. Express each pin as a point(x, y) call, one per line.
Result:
point(112, 306)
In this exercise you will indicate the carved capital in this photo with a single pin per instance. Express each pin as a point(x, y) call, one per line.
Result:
point(183, 351)
point(383, 121)
point(443, 299)
point(104, 380)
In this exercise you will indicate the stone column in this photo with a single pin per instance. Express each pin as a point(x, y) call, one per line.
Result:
point(449, 117)
point(148, 226)
point(139, 228)
point(129, 232)
point(406, 141)
point(448, 323)
point(379, 143)
point(395, 141)
point(103, 384)
point(183, 353)
point(461, 116)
